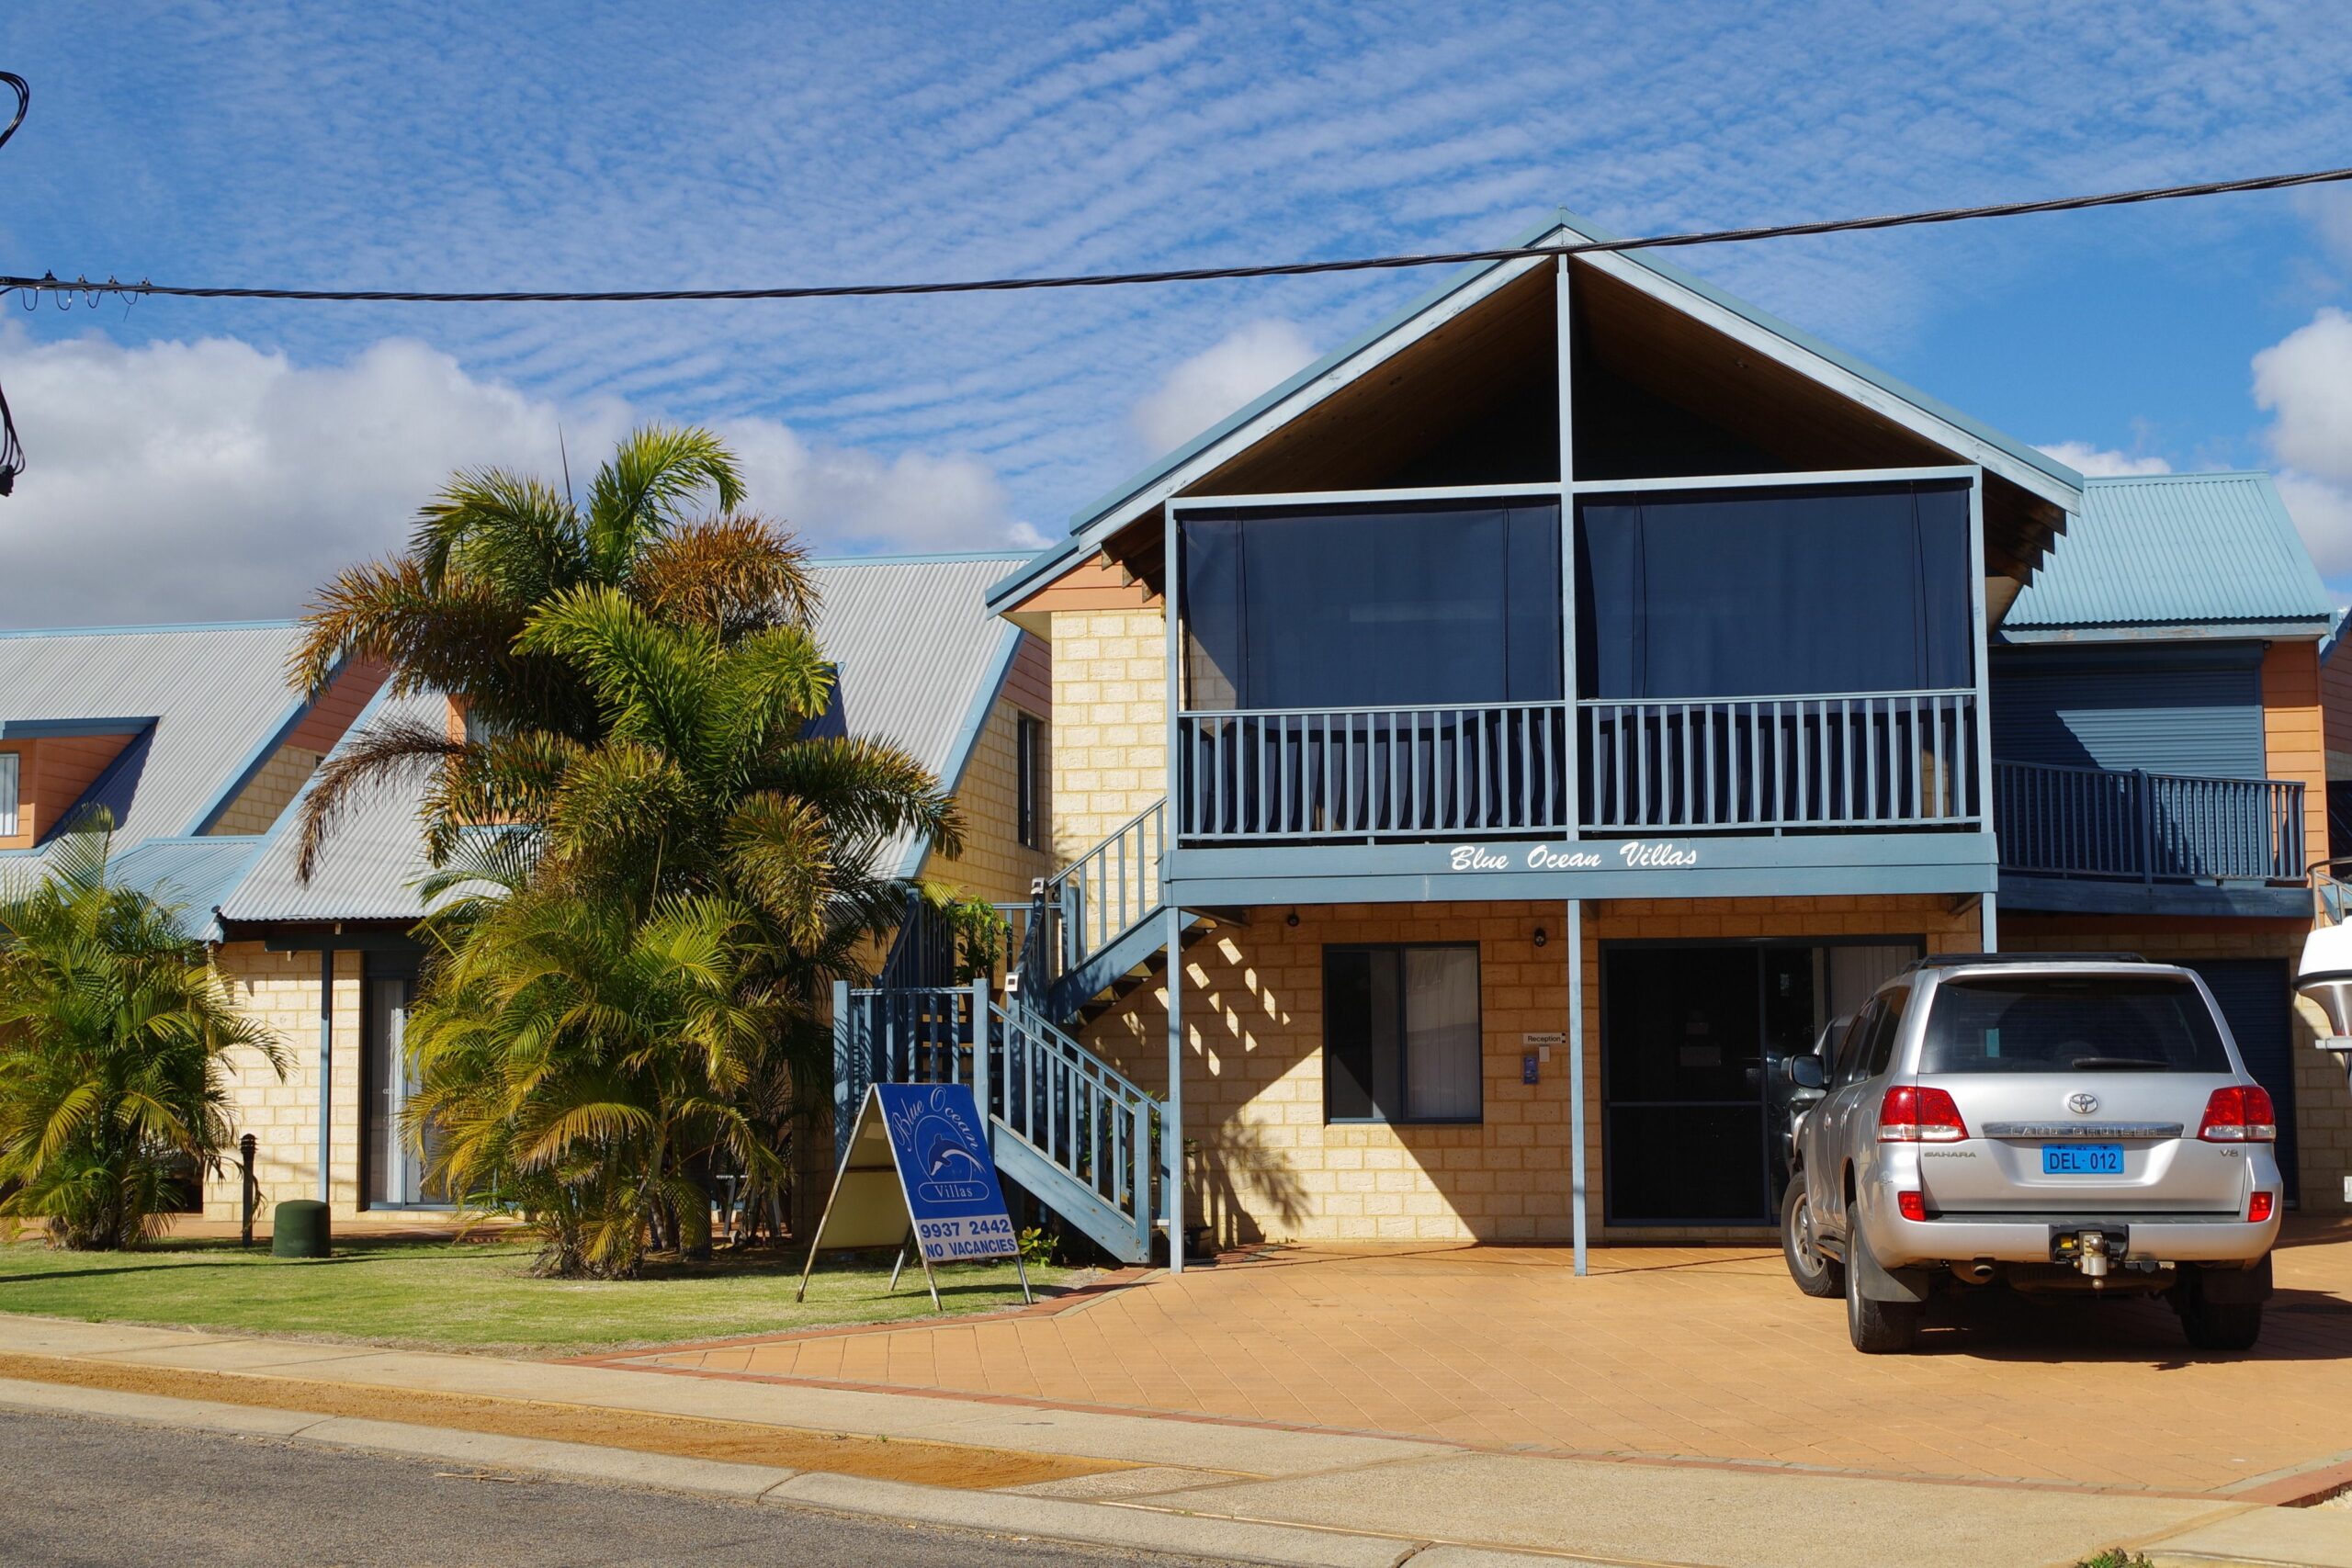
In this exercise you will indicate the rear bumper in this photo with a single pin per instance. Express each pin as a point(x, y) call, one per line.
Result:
point(1898, 1242)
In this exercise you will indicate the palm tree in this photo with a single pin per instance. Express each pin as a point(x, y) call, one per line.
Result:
point(575, 1057)
point(114, 1028)
point(661, 527)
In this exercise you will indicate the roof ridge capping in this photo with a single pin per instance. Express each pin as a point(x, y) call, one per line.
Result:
point(287, 624)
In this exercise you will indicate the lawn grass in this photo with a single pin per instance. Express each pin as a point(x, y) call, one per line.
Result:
point(477, 1296)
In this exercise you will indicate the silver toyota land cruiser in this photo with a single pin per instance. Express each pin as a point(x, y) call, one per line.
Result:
point(2076, 1124)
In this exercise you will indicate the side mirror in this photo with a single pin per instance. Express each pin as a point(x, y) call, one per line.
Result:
point(1807, 1072)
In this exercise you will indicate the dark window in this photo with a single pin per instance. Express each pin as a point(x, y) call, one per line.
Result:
point(1890, 1027)
point(1401, 1038)
point(1854, 1055)
point(2057, 1025)
point(1029, 748)
point(1774, 592)
point(1378, 606)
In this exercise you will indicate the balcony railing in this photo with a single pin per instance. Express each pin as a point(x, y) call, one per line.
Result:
point(2096, 822)
point(1872, 761)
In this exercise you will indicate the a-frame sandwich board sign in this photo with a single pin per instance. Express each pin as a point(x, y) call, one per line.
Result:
point(917, 1171)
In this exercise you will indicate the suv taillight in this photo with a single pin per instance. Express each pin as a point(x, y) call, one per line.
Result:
point(1913, 1114)
point(2239, 1115)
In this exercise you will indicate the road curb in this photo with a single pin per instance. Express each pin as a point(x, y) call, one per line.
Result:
point(1129, 1527)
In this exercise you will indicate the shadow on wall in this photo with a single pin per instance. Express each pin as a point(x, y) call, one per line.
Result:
point(1219, 1164)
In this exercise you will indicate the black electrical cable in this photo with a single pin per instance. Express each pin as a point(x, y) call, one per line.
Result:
point(51, 284)
point(12, 454)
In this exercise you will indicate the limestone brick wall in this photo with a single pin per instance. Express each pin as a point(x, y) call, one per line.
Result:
point(281, 989)
point(1110, 722)
point(2322, 1107)
point(1269, 1166)
point(268, 792)
point(996, 864)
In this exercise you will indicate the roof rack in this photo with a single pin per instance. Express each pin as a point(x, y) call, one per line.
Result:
point(1971, 959)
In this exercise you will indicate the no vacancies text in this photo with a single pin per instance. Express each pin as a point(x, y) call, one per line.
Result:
point(1635, 854)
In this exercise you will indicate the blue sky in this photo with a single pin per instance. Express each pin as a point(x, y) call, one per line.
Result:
point(223, 456)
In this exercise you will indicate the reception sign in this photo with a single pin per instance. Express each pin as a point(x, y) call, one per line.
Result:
point(917, 1172)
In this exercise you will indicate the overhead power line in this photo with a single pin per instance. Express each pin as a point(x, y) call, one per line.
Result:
point(94, 291)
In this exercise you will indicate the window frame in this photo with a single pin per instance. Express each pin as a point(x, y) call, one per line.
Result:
point(11, 798)
point(1028, 792)
point(1477, 959)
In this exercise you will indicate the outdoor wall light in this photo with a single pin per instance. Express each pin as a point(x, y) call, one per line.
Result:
point(1293, 919)
point(1541, 936)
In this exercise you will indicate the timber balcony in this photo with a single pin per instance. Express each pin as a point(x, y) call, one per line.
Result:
point(2154, 828)
point(1825, 762)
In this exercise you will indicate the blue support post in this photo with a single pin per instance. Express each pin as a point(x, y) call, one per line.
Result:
point(1172, 1124)
point(845, 1077)
point(980, 1055)
point(1576, 1080)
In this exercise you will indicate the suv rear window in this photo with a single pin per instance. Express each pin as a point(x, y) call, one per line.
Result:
point(2045, 1023)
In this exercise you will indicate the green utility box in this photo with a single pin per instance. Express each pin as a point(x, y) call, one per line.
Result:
point(300, 1230)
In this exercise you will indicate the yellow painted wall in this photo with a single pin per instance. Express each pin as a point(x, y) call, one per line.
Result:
point(1269, 1166)
point(996, 864)
point(2294, 732)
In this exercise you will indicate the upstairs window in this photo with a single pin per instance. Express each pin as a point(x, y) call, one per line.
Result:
point(9, 827)
point(1371, 606)
point(1029, 737)
point(1775, 593)
point(1401, 1034)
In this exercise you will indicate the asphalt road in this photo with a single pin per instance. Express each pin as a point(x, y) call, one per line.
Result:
point(77, 1491)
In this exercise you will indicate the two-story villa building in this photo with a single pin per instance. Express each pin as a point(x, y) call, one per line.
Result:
point(1532, 722)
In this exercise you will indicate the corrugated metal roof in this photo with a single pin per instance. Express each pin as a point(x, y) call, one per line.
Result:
point(217, 694)
point(919, 658)
point(2175, 550)
point(193, 874)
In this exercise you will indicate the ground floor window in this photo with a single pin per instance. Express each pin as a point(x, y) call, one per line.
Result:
point(1401, 1034)
point(1694, 1106)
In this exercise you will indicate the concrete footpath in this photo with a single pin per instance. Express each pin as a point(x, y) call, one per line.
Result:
point(1248, 1493)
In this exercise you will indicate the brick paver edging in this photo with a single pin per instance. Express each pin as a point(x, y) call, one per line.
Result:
point(1074, 1299)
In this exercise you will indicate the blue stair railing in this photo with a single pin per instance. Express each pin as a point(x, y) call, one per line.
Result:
point(1074, 1133)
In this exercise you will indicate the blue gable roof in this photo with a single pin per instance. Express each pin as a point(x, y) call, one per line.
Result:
point(2177, 554)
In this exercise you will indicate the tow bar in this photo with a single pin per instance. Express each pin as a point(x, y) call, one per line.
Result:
point(2092, 1252)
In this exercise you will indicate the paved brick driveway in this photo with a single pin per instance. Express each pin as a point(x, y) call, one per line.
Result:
point(1687, 1353)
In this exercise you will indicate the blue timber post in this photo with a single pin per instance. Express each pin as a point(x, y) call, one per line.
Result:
point(845, 1075)
point(1576, 1079)
point(326, 1069)
point(981, 1058)
point(1172, 1135)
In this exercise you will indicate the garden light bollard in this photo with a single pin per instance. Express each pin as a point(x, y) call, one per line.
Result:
point(251, 1190)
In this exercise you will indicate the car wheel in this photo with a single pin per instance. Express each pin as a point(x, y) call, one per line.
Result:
point(1815, 1272)
point(2222, 1326)
point(1877, 1328)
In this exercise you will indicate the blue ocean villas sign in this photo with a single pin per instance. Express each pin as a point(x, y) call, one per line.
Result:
point(917, 1174)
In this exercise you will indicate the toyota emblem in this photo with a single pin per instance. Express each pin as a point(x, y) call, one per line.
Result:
point(2082, 1104)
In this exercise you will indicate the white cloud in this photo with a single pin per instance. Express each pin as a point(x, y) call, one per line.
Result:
point(1204, 388)
point(2304, 383)
point(2103, 462)
point(209, 479)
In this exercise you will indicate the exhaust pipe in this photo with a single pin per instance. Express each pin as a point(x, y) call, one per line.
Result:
point(1980, 1272)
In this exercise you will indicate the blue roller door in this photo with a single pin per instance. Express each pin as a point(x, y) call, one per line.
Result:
point(2256, 998)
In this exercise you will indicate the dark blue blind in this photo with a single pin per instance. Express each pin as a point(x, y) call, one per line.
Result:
point(1374, 607)
point(1775, 593)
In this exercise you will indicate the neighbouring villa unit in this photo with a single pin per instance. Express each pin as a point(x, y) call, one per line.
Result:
point(1480, 760)
point(191, 737)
